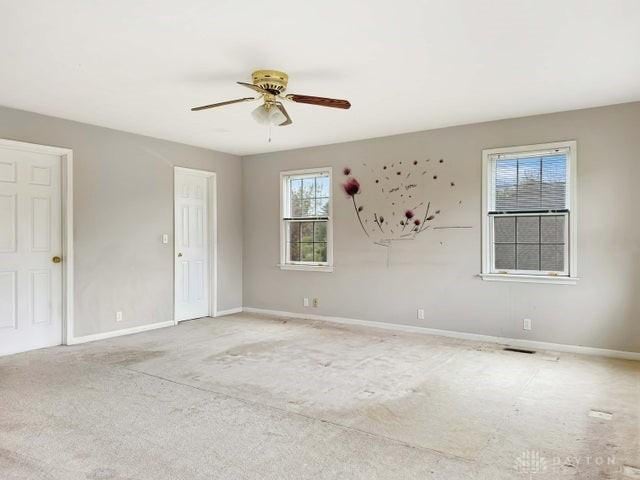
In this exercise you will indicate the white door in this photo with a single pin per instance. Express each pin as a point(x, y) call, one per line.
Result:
point(191, 245)
point(30, 243)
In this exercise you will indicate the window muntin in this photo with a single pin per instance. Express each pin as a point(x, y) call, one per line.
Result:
point(529, 212)
point(306, 218)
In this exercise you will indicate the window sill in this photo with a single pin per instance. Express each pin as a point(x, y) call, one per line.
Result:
point(506, 277)
point(307, 268)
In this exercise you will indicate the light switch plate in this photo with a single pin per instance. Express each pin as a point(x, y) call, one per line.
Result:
point(165, 238)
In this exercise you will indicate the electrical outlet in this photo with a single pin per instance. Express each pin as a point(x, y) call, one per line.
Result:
point(316, 302)
point(165, 238)
point(305, 302)
point(526, 324)
point(421, 314)
point(118, 316)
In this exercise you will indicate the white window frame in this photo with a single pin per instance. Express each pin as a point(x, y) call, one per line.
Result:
point(570, 275)
point(284, 209)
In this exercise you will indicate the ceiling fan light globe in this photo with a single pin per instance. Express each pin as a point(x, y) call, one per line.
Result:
point(261, 115)
point(276, 117)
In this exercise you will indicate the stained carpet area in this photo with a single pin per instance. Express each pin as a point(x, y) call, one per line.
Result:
point(251, 397)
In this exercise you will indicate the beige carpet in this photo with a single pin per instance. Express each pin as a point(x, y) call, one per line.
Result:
point(248, 397)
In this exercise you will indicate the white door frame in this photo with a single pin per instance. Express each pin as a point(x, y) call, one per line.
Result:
point(66, 162)
point(212, 221)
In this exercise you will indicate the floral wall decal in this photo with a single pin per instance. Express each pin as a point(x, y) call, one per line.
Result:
point(400, 200)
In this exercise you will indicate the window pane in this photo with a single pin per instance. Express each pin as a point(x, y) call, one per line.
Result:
point(308, 187)
point(306, 231)
point(528, 229)
point(322, 186)
point(294, 232)
point(294, 252)
point(531, 183)
point(306, 252)
point(505, 229)
point(296, 207)
point(295, 188)
point(322, 207)
point(505, 256)
point(308, 207)
point(552, 229)
point(552, 258)
point(538, 246)
point(320, 252)
point(554, 181)
point(506, 185)
point(320, 232)
point(527, 257)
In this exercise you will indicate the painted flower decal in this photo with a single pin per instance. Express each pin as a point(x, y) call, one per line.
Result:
point(351, 187)
point(406, 214)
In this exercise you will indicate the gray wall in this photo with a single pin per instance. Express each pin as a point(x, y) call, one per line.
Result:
point(438, 271)
point(123, 203)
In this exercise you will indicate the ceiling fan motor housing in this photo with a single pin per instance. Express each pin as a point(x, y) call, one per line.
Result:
point(271, 80)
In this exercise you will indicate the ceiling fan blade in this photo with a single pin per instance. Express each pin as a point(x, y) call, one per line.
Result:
point(221, 104)
point(255, 87)
point(322, 101)
point(288, 121)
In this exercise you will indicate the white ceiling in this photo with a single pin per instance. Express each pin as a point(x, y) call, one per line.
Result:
point(406, 65)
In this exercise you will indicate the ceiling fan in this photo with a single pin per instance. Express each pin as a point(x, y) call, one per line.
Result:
point(271, 84)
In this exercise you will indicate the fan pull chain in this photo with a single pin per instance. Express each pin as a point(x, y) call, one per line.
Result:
point(269, 132)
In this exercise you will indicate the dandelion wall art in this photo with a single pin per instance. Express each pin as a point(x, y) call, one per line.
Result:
point(400, 200)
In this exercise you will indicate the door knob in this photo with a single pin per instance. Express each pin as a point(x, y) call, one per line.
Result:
point(180, 254)
point(56, 259)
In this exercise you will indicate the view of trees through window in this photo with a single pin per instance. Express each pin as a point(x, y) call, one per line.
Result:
point(306, 224)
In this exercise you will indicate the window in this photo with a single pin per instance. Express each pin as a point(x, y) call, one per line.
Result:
point(306, 228)
point(529, 225)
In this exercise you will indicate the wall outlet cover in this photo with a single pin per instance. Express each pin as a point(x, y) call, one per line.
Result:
point(526, 324)
point(118, 316)
point(421, 314)
point(305, 302)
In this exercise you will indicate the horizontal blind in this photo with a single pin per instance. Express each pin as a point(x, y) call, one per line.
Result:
point(531, 181)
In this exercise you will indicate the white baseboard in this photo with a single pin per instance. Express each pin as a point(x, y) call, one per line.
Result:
point(530, 344)
point(231, 311)
point(118, 333)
